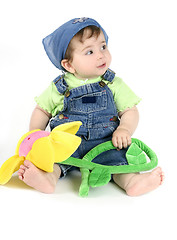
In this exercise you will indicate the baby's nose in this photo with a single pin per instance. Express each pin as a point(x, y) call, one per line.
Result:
point(100, 55)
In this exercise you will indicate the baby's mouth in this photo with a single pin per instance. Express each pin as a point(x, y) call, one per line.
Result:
point(102, 65)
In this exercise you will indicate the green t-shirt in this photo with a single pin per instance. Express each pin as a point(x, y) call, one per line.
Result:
point(52, 101)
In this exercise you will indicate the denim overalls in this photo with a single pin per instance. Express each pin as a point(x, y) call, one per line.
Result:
point(93, 105)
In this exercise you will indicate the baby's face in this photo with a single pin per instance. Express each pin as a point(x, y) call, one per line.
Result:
point(91, 58)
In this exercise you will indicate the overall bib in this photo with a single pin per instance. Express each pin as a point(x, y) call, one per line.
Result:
point(93, 105)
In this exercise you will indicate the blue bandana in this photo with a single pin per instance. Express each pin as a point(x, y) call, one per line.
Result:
point(57, 42)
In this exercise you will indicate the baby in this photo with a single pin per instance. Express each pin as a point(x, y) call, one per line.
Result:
point(87, 91)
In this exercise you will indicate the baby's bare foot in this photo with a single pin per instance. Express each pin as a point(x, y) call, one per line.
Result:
point(146, 182)
point(37, 178)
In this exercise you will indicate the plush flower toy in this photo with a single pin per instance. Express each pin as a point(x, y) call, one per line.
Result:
point(44, 149)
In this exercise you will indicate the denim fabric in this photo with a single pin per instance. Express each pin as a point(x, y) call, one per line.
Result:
point(94, 106)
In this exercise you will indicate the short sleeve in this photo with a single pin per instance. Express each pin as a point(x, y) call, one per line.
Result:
point(124, 97)
point(50, 100)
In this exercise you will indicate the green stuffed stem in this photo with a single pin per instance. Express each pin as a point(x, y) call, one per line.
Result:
point(103, 172)
point(86, 161)
point(84, 187)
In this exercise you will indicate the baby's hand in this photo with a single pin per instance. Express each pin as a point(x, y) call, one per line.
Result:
point(121, 138)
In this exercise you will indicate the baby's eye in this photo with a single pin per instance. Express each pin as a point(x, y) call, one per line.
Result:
point(103, 47)
point(89, 52)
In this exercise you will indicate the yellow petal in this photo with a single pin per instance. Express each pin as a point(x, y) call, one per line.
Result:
point(64, 144)
point(42, 154)
point(71, 127)
point(9, 167)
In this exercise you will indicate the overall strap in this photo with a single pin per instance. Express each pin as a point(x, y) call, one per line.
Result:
point(60, 84)
point(109, 75)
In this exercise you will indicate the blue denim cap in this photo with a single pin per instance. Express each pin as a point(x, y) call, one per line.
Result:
point(57, 42)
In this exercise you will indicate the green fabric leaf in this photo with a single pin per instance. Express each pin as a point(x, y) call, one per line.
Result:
point(99, 176)
point(84, 187)
point(135, 155)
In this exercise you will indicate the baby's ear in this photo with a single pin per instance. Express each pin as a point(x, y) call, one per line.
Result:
point(67, 65)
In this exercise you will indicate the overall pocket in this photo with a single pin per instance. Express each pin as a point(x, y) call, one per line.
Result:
point(89, 103)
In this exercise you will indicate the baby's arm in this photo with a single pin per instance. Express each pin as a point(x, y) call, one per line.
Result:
point(39, 119)
point(128, 122)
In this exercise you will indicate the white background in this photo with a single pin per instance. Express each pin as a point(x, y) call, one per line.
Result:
point(142, 40)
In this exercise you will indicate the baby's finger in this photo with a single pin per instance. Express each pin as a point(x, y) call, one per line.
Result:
point(120, 143)
point(125, 142)
point(129, 140)
point(114, 141)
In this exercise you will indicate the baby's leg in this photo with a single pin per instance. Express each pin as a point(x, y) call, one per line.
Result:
point(136, 184)
point(36, 178)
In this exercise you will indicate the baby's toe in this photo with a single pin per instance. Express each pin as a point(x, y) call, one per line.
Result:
point(21, 172)
point(27, 164)
point(162, 177)
point(22, 167)
point(157, 171)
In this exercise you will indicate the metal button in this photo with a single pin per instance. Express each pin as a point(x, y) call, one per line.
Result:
point(114, 119)
point(102, 84)
point(67, 93)
point(61, 116)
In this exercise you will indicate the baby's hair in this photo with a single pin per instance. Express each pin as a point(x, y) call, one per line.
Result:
point(94, 31)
